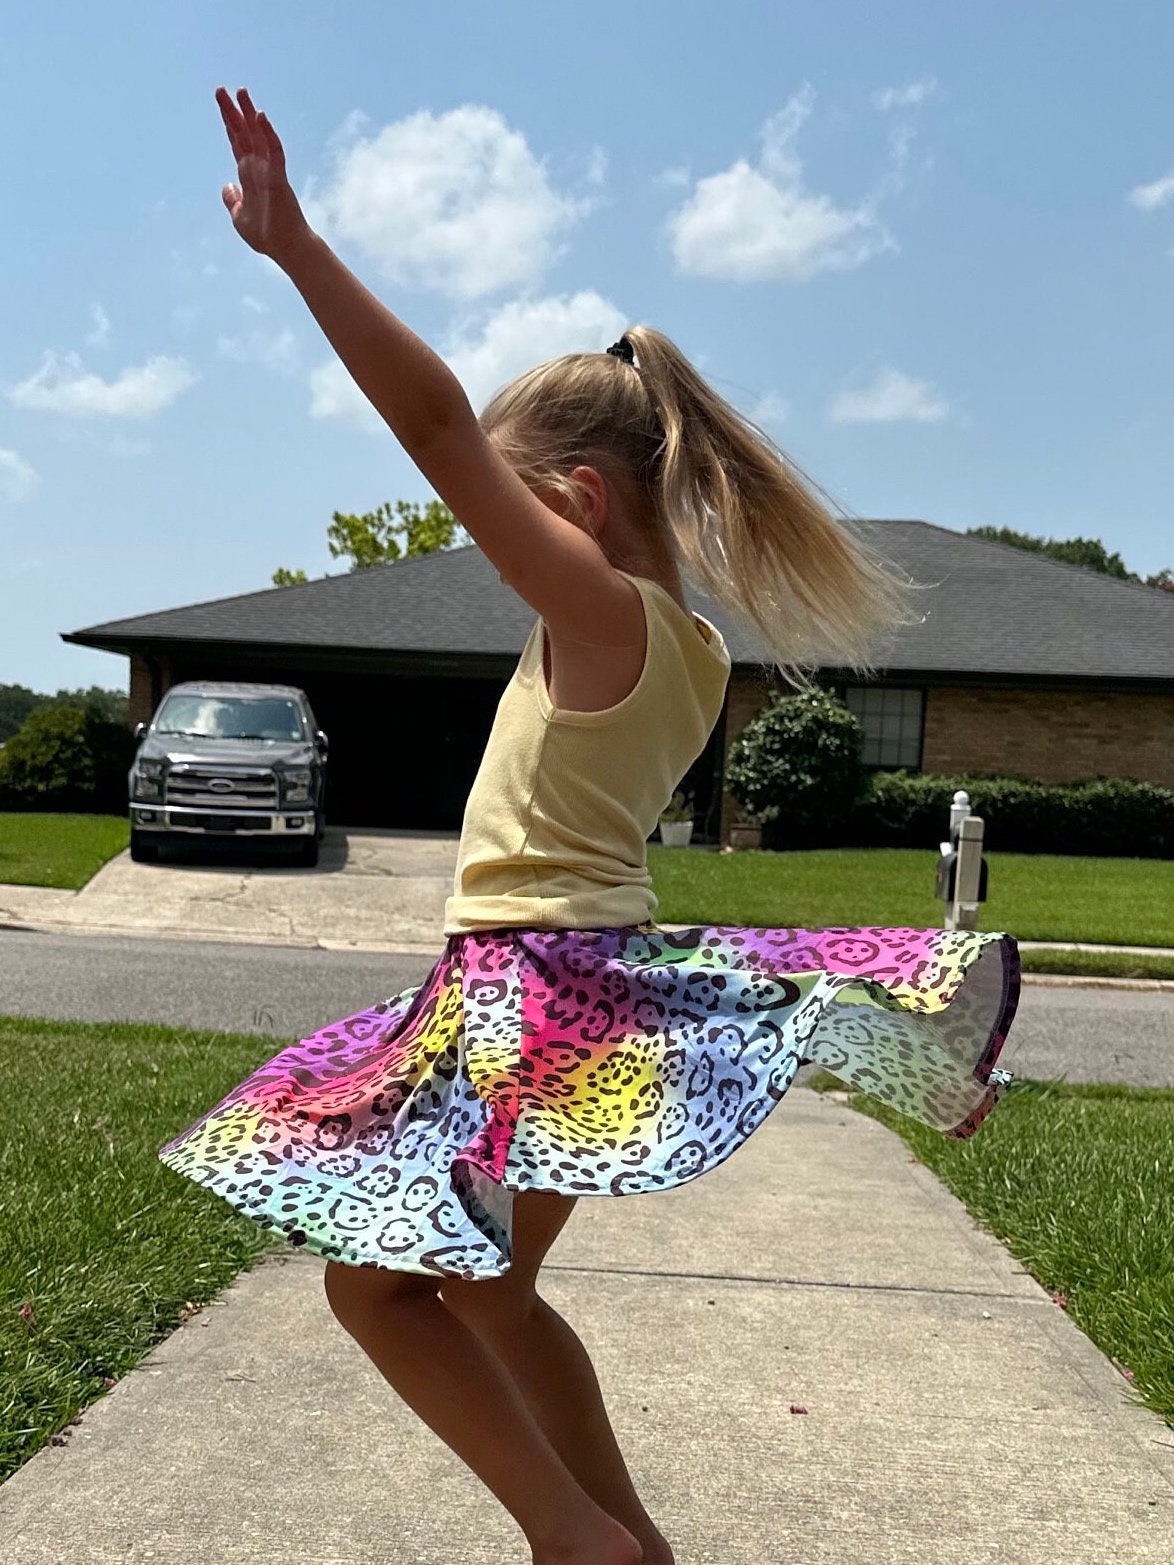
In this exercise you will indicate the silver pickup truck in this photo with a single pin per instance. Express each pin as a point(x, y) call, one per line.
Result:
point(229, 761)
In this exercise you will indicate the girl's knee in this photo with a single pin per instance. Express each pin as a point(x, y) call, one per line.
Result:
point(354, 1290)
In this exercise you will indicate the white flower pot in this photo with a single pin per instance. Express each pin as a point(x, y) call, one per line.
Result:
point(676, 834)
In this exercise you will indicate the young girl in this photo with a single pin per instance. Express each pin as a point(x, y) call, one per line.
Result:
point(432, 1148)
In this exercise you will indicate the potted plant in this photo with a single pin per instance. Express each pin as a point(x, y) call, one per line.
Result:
point(676, 820)
point(745, 833)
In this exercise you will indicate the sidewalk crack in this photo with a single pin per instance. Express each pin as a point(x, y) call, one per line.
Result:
point(788, 1282)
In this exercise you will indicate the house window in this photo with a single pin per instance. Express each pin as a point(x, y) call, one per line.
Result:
point(892, 722)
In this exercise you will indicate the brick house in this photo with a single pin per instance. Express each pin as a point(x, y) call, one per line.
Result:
point(1020, 664)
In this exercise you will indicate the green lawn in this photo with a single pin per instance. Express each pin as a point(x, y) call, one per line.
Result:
point(1098, 964)
point(1115, 901)
point(103, 1251)
point(58, 850)
point(1076, 1181)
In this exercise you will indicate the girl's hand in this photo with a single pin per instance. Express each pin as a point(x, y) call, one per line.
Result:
point(264, 209)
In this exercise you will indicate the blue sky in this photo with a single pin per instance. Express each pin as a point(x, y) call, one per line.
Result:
point(930, 248)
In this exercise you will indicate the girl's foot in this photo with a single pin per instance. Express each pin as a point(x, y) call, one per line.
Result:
point(611, 1544)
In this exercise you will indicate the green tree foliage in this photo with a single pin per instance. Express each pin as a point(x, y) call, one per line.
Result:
point(1089, 552)
point(389, 533)
point(66, 758)
point(16, 702)
point(112, 705)
point(796, 768)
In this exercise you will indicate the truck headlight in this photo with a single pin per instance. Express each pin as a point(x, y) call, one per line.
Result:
point(296, 785)
point(148, 780)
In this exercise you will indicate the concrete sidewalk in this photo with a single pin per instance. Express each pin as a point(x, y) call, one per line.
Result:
point(372, 891)
point(953, 1412)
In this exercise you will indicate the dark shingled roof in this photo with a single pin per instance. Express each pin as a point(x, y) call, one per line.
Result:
point(990, 611)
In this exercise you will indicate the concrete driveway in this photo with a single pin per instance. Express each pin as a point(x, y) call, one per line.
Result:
point(372, 891)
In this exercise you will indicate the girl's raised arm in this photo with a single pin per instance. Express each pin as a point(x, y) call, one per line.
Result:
point(557, 567)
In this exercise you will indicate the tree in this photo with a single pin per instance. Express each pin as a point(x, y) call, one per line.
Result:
point(1089, 552)
point(796, 769)
point(66, 758)
point(389, 533)
point(16, 702)
point(113, 706)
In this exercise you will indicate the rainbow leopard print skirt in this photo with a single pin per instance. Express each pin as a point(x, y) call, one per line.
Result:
point(592, 1062)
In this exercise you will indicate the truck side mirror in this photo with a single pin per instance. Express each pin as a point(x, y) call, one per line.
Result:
point(140, 730)
point(321, 741)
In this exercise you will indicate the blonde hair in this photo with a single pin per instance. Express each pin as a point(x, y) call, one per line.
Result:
point(740, 518)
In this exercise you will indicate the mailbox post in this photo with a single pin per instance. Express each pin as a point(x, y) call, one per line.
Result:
point(962, 871)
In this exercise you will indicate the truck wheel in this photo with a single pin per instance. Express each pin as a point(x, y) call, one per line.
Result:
point(142, 849)
point(307, 855)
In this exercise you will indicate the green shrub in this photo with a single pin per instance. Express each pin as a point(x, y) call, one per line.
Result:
point(1103, 816)
point(66, 758)
point(796, 769)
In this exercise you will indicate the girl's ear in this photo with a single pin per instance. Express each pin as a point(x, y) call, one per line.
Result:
point(594, 499)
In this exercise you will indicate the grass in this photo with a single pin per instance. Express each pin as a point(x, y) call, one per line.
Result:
point(1075, 1180)
point(58, 850)
point(1033, 897)
point(1099, 964)
point(103, 1251)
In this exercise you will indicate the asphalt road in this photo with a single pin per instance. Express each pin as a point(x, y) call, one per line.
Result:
point(1084, 1034)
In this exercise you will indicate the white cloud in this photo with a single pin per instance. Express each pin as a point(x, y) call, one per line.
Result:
point(100, 336)
point(455, 202)
point(757, 223)
point(254, 304)
point(891, 398)
point(333, 394)
point(526, 332)
point(487, 353)
point(911, 96)
point(1148, 198)
point(61, 385)
point(768, 409)
point(676, 178)
point(17, 478)
point(278, 350)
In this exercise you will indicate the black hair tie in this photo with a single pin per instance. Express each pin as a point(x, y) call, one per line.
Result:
point(623, 350)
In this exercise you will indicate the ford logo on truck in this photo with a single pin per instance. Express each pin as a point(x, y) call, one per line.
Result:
point(221, 785)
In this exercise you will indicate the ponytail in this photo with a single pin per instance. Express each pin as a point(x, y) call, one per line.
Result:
point(743, 521)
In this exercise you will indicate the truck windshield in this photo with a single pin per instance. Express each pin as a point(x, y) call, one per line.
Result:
point(230, 717)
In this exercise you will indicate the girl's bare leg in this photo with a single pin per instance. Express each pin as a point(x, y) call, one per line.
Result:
point(463, 1391)
point(552, 1369)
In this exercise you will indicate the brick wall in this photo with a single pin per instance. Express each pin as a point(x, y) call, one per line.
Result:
point(145, 692)
point(1055, 735)
point(748, 694)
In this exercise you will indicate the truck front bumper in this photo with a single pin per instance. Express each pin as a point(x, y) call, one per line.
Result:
point(224, 823)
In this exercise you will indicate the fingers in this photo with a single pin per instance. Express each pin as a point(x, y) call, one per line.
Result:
point(234, 124)
point(243, 124)
point(247, 109)
point(271, 142)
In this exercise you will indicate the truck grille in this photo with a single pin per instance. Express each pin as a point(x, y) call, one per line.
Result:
point(251, 788)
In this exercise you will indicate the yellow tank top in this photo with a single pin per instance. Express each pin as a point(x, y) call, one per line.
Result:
point(563, 802)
